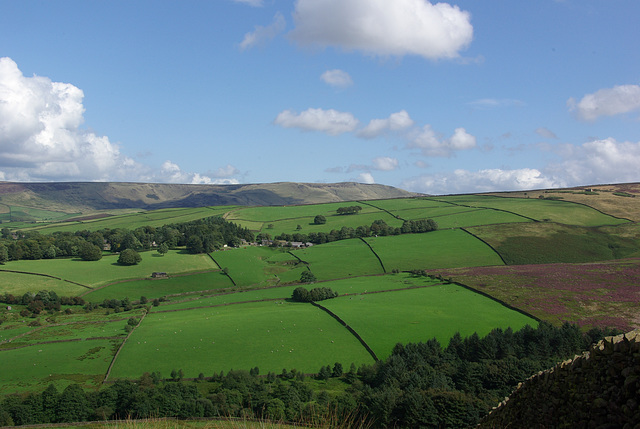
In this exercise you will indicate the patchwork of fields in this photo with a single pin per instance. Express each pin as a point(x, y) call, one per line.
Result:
point(232, 309)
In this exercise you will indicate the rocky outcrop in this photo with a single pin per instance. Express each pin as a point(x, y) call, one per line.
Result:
point(599, 389)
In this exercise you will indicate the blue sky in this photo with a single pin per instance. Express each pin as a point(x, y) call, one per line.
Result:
point(436, 98)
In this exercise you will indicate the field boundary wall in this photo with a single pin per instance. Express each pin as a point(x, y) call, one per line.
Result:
point(490, 246)
point(384, 270)
point(349, 328)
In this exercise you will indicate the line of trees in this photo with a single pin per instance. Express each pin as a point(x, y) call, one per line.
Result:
point(418, 385)
point(349, 210)
point(377, 228)
point(301, 294)
point(199, 236)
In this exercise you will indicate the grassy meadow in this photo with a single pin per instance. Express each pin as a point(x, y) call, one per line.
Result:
point(210, 322)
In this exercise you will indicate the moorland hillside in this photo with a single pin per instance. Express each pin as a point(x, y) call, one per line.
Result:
point(86, 196)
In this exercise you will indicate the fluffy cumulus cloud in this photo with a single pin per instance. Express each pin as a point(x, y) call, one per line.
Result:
point(606, 102)
point(598, 161)
point(595, 162)
point(41, 138)
point(172, 173)
point(40, 134)
point(365, 178)
point(329, 121)
point(433, 145)
point(383, 27)
point(262, 34)
point(464, 181)
point(395, 122)
point(337, 78)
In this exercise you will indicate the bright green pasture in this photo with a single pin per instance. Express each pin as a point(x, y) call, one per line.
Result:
point(269, 335)
point(400, 204)
point(156, 288)
point(18, 284)
point(33, 368)
point(471, 217)
point(106, 270)
point(385, 319)
point(438, 249)
point(354, 285)
point(155, 218)
point(249, 266)
point(540, 209)
point(338, 259)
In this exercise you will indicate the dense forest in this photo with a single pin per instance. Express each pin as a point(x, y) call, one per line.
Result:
point(418, 385)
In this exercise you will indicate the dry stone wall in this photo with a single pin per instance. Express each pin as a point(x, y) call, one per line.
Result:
point(599, 389)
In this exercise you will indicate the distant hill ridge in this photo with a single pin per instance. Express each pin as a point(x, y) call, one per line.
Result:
point(120, 195)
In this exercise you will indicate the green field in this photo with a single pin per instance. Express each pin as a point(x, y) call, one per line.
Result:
point(445, 248)
point(106, 270)
point(156, 288)
point(155, 218)
point(357, 255)
point(210, 322)
point(35, 367)
point(18, 284)
point(437, 311)
point(540, 209)
point(270, 335)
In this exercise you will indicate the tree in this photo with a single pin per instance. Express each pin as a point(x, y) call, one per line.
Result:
point(89, 252)
point(129, 257)
point(307, 277)
point(4, 254)
point(319, 220)
point(163, 249)
point(300, 294)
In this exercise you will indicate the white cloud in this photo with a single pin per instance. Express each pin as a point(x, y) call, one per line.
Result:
point(396, 121)
point(337, 78)
point(263, 34)
point(383, 27)
point(41, 138)
point(365, 178)
point(599, 161)
point(40, 134)
point(546, 133)
point(385, 163)
point(432, 144)
point(328, 121)
point(172, 173)
point(606, 102)
point(464, 181)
